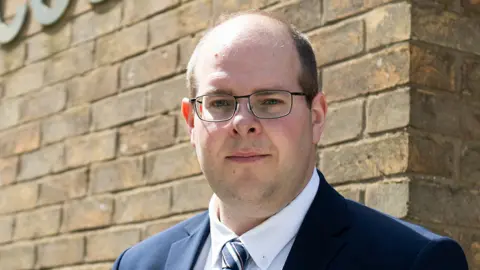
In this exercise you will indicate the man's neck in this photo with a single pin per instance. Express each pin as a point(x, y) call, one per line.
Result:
point(238, 222)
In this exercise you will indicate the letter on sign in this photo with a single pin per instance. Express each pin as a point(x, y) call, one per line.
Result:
point(8, 32)
point(48, 15)
point(42, 13)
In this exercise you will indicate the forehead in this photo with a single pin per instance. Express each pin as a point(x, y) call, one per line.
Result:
point(247, 53)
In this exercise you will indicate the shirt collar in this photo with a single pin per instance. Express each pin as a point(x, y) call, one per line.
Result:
point(266, 240)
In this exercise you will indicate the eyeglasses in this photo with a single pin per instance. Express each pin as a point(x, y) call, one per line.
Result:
point(267, 104)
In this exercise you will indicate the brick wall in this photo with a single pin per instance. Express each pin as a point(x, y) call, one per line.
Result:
point(94, 156)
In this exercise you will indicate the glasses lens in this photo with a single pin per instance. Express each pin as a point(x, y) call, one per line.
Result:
point(215, 107)
point(271, 104)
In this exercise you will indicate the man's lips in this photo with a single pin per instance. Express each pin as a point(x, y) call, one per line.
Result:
point(246, 157)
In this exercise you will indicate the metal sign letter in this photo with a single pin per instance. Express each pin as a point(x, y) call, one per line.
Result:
point(8, 32)
point(48, 15)
point(42, 13)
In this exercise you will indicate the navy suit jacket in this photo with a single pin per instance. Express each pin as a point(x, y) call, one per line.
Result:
point(336, 234)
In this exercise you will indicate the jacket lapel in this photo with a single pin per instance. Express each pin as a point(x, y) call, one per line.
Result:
point(184, 253)
point(319, 238)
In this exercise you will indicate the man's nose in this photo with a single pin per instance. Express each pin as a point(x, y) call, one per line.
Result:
point(244, 122)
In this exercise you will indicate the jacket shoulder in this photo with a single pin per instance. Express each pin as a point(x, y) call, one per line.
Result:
point(379, 241)
point(366, 218)
point(152, 252)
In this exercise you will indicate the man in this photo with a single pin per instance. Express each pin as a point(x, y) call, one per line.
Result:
point(255, 118)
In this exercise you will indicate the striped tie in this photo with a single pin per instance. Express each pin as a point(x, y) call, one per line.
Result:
point(234, 256)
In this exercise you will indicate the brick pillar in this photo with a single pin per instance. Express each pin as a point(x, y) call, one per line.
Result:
point(445, 74)
point(403, 132)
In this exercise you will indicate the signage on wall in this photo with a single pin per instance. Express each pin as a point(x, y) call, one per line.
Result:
point(42, 13)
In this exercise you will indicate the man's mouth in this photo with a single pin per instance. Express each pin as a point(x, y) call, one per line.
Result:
point(246, 157)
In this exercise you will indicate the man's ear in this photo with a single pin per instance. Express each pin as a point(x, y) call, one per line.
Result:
point(188, 115)
point(319, 113)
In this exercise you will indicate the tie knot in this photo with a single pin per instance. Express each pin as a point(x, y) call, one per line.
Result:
point(234, 255)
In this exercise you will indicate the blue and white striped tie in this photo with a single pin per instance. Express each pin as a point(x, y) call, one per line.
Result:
point(234, 256)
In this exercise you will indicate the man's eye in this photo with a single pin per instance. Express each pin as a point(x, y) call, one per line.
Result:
point(272, 101)
point(220, 103)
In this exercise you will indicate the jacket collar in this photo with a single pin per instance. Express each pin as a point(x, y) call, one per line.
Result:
point(318, 241)
point(320, 238)
point(184, 253)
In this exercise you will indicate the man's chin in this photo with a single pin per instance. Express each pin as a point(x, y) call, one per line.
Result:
point(249, 176)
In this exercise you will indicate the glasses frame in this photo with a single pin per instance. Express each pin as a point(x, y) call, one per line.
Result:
point(193, 101)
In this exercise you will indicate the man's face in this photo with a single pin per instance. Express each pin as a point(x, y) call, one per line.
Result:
point(263, 163)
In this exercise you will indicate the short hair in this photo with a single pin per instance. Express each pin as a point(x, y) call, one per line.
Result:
point(308, 77)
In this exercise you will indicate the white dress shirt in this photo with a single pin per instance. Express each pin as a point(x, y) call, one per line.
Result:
point(268, 243)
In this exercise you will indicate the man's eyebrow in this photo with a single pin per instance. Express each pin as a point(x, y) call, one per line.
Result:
point(230, 92)
point(270, 89)
point(219, 91)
